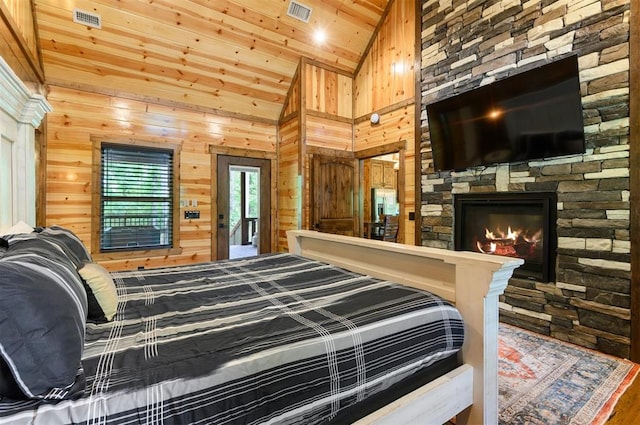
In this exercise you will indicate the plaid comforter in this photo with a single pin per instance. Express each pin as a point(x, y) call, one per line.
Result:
point(270, 339)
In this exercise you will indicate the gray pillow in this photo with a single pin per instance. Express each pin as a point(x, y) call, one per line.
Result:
point(68, 242)
point(43, 308)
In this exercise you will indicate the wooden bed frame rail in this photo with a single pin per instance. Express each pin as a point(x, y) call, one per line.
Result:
point(472, 281)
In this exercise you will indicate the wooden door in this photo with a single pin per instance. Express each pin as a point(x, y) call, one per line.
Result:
point(222, 220)
point(333, 195)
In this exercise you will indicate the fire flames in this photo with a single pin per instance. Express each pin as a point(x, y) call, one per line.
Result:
point(512, 243)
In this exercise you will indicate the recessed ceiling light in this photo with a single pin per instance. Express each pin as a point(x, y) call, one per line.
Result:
point(320, 36)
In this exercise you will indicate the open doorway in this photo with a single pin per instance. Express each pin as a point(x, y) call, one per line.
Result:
point(380, 193)
point(244, 211)
point(243, 225)
point(382, 189)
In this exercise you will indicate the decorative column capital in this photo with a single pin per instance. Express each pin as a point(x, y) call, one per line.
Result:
point(34, 110)
point(18, 101)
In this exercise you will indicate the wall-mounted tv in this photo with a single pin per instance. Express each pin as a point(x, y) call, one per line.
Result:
point(531, 115)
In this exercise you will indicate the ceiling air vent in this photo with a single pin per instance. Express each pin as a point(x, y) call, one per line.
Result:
point(299, 11)
point(87, 18)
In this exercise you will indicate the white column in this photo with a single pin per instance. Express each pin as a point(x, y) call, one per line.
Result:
point(21, 112)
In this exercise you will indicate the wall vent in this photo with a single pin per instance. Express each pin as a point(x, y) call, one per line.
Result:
point(299, 11)
point(87, 18)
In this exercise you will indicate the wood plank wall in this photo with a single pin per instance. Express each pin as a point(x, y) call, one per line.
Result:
point(112, 66)
point(386, 75)
point(329, 133)
point(22, 14)
point(385, 84)
point(19, 43)
point(78, 116)
point(289, 152)
point(327, 91)
point(289, 194)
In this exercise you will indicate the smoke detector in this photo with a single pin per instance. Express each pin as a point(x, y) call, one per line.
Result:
point(87, 18)
point(299, 11)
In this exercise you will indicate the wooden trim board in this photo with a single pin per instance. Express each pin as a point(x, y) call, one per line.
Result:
point(446, 396)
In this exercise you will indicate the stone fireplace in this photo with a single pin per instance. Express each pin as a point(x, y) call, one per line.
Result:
point(521, 225)
point(467, 45)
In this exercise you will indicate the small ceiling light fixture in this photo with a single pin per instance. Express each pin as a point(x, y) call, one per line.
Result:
point(375, 118)
point(319, 36)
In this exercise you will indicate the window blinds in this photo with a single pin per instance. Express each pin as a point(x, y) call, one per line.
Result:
point(136, 198)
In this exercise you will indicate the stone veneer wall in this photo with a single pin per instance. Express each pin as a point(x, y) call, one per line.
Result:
point(467, 43)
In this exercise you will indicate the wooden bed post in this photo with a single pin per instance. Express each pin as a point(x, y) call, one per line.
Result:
point(479, 308)
point(472, 281)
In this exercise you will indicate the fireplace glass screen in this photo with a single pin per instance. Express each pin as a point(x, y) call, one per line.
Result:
point(518, 225)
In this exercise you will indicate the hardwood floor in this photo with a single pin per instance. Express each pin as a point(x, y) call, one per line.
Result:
point(627, 411)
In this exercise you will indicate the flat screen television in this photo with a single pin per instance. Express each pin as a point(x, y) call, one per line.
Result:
point(531, 115)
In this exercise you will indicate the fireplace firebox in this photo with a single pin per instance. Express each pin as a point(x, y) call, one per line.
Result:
point(521, 225)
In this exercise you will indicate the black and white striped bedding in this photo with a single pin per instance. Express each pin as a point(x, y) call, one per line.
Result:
point(270, 339)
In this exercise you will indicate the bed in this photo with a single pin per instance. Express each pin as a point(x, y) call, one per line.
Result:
point(334, 331)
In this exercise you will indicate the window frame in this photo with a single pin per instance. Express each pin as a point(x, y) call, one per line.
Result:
point(97, 195)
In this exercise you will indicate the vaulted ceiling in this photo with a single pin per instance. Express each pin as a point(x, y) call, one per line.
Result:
point(235, 56)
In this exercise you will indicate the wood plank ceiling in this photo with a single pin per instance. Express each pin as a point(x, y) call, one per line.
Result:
point(234, 56)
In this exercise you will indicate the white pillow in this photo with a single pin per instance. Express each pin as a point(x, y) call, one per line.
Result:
point(101, 285)
point(19, 227)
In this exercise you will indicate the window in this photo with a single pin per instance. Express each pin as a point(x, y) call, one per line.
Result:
point(136, 197)
point(252, 194)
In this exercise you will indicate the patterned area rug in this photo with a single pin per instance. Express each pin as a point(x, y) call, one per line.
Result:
point(545, 381)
